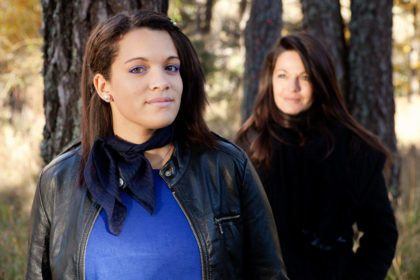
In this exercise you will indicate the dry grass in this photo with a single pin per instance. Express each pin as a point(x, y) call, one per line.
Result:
point(20, 166)
point(13, 235)
point(406, 264)
point(21, 122)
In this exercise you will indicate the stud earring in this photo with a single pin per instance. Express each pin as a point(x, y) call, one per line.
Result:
point(107, 97)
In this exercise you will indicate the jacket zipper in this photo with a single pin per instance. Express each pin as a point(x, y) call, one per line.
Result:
point(85, 239)
point(204, 267)
point(219, 221)
point(86, 236)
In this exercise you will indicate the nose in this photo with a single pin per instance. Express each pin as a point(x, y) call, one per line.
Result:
point(158, 80)
point(294, 84)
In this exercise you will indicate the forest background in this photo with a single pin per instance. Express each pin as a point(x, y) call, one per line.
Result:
point(218, 31)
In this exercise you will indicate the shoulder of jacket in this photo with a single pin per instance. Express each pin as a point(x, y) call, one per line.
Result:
point(223, 149)
point(59, 180)
point(227, 146)
point(68, 159)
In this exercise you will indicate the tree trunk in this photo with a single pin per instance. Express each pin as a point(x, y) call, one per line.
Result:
point(66, 27)
point(261, 31)
point(323, 20)
point(208, 15)
point(371, 93)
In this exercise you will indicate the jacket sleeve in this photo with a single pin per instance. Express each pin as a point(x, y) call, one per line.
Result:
point(262, 249)
point(38, 254)
point(375, 218)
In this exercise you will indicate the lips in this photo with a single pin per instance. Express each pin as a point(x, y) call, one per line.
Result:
point(292, 99)
point(160, 101)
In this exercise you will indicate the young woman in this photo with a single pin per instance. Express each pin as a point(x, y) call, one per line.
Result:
point(151, 193)
point(321, 170)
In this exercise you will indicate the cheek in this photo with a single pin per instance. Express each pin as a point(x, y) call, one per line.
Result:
point(278, 94)
point(179, 85)
point(309, 96)
point(277, 99)
point(276, 88)
point(178, 88)
point(127, 101)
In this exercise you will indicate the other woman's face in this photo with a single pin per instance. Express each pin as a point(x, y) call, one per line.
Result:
point(145, 84)
point(291, 86)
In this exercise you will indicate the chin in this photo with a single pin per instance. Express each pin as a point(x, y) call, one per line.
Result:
point(161, 123)
point(292, 112)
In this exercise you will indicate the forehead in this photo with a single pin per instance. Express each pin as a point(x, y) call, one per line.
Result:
point(289, 60)
point(146, 43)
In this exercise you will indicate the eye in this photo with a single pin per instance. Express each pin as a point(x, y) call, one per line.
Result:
point(172, 68)
point(281, 76)
point(137, 70)
point(305, 77)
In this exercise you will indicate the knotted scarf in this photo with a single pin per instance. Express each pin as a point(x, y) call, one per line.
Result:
point(111, 158)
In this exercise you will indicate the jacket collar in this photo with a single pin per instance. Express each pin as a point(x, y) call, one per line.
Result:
point(177, 165)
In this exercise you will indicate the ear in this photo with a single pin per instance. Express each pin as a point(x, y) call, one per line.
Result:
point(103, 88)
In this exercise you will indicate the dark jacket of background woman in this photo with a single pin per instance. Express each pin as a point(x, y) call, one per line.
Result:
point(233, 225)
point(316, 201)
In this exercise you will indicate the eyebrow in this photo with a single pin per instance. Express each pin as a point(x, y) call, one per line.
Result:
point(145, 59)
point(281, 69)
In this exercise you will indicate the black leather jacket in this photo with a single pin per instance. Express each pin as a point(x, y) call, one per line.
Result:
point(217, 189)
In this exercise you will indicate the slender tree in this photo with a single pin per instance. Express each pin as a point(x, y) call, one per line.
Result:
point(371, 93)
point(323, 20)
point(208, 15)
point(262, 29)
point(414, 55)
point(66, 27)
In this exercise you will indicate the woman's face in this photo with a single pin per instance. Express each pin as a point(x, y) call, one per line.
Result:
point(145, 86)
point(291, 86)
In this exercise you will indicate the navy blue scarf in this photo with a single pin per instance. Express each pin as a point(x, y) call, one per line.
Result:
point(110, 158)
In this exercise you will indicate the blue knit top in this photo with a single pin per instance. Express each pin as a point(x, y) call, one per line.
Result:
point(158, 246)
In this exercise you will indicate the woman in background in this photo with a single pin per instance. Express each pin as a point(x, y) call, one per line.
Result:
point(151, 193)
point(322, 171)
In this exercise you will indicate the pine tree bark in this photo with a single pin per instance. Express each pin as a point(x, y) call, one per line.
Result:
point(323, 20)
point(261, 31)
point(371, 93)
point(66, 27)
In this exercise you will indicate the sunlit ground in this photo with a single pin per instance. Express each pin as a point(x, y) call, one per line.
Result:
point(407, 120)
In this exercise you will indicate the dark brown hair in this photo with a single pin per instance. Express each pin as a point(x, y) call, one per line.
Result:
point(100, 52)
point(328, 104)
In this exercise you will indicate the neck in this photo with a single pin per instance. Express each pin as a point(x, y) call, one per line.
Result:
point(132, 133)
point(159, 156)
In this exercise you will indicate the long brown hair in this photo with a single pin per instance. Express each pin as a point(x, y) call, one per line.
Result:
point(100, 52)
point(328, 104)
